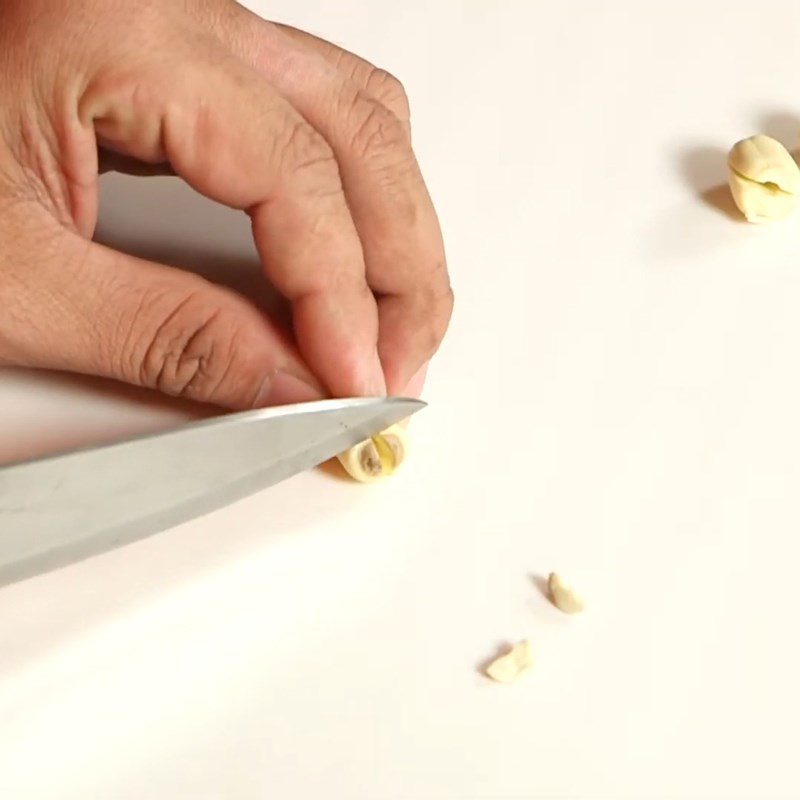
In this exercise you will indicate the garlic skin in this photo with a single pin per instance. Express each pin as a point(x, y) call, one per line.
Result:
point(764, 179)
point(507, 668)
point(562, 596)
point(377, 457)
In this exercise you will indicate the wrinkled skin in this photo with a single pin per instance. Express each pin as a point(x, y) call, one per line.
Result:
point(312, 142)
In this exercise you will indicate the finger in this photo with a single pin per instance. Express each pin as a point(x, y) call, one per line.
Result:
point(417, 383)
point(90, 309)
point(115, 162)
point(233, 138)
point(376, 82)
point(388, 199)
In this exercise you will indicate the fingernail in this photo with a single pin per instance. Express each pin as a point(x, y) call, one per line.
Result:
point(283, 388)
point(417, 383)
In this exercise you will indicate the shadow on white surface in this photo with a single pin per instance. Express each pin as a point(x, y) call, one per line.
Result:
point(704, 168)
point(540, 583)
point(108, 411)
point(162, 219)
point(706, 224)
point(55, 610)
point(782, 125)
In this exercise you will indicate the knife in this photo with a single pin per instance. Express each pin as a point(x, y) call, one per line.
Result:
point(62, 509)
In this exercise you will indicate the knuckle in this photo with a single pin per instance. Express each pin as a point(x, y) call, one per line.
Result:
point(188, 348)
point(383, 86)
point(443, 305)
point(437, 308)
point(447, 302)
point(376, 131)
point(305, 152)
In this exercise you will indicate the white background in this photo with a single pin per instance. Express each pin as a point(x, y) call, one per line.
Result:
point(618, 400)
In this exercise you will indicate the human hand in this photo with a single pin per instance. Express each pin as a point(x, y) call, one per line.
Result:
point(311, 141)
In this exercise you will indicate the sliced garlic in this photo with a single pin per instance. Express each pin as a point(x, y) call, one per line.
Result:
point(377, 457)
point(562, 596)
point(764, 179)
point(507, 668)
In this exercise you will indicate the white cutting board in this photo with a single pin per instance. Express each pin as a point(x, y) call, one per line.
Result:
point(618, 400)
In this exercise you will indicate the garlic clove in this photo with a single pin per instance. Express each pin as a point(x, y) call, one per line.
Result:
point(758, 202)
point(562, 596)
point(508, 667)
point(377, 457)
point(765, 160)
point(764, 179)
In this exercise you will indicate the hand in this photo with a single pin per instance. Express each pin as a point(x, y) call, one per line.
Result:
point(311, 141)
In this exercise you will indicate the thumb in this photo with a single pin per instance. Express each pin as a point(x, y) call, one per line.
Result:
point(87, 308)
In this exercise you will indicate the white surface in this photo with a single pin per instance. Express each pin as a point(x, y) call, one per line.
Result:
point(617, 400)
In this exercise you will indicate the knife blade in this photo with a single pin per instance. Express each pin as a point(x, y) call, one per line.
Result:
point(65, 508)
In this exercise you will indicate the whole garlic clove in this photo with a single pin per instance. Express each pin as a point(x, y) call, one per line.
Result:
point(764, 179)
point(562, 597)
point(377, 457)
point(507, 668)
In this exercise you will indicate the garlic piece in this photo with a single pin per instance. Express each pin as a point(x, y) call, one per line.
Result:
point(377, 457)
point(562, 596)
point(764, 179)
point(507, 668)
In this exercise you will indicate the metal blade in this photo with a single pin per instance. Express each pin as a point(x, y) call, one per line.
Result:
point(59, 510)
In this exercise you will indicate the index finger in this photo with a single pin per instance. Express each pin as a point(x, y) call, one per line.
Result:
point(234, 139)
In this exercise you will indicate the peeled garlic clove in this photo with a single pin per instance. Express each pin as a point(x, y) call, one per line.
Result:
point(363, 462)
point(562, 596)
point(765, 160)
point(507, 668)
point(764, 179)
point(760, 203)
point(391, 446)
point(377, 457)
